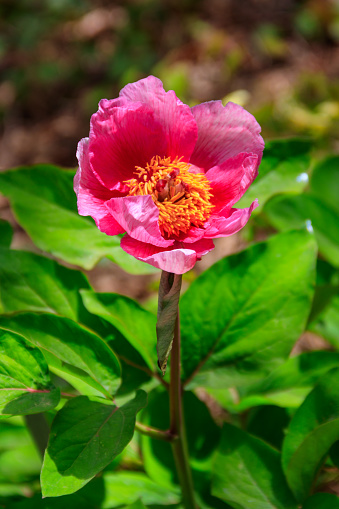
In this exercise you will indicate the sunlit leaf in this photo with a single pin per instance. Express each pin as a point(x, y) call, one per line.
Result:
point(233, 315)
point(35, 283)
point(44, 204)
point(25, 385)
point(85, 437)
point(247, 473)
point(134, 322)
point(72, 352)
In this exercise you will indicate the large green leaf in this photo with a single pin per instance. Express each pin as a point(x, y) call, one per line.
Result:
point(286, 213)
point(242, 316)
point(312, 431)
point(6, 233)
point(282, 170)
point(25, 385)
point(325, 181)
point(72, 351)
point(32, 282)
point(322, 501)
point(44, 204)
point(85, 437)
point(247, 473)
point(134, 322)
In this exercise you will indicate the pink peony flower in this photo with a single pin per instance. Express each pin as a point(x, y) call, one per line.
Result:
point(166, 174)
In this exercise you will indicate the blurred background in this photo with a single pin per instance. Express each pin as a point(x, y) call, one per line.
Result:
point(277, 58)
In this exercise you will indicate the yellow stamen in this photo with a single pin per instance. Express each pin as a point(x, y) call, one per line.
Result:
point(183, 198)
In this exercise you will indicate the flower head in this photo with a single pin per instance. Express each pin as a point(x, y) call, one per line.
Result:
point(166, 174)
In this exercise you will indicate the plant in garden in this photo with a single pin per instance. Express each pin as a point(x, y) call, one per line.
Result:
point(237, 422)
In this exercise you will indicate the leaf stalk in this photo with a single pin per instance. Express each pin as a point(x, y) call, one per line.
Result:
point(156, 433)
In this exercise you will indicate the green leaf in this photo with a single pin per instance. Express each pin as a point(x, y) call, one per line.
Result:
point(322, 501)
point(169, 293)
point(44, 204)
point(228, 399)
point(268, 423)
point(35, 283)
point(282, 170)
point(286, 213)
point(312, 431)
point(325, 181)
point(233, 315)
point(107, 492)
point(85, 437)
point(72, 352)
point(303, 370)
point(6, 233)
point(286, 386)
point(132, 321)
point(134, 370)
point(25, 385)
point(128, 487)
point(247, 473)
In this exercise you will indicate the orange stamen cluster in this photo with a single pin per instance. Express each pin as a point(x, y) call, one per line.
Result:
point(183, 198)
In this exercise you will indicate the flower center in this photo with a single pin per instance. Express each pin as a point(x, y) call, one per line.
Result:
point(183, 198)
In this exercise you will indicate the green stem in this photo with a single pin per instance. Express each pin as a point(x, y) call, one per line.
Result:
point(155, 432)
point(177, 427)
point(39, 430)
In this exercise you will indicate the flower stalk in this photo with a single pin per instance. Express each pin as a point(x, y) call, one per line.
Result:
point(177, 424)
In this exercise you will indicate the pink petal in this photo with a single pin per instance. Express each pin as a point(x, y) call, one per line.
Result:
point(123, 135)
point(178, 259)
point(224, 132)
point(229, 223)
point(232, 178)
point(174, 116)
point(139, 216)
point(193, 235)
point(92, 195)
